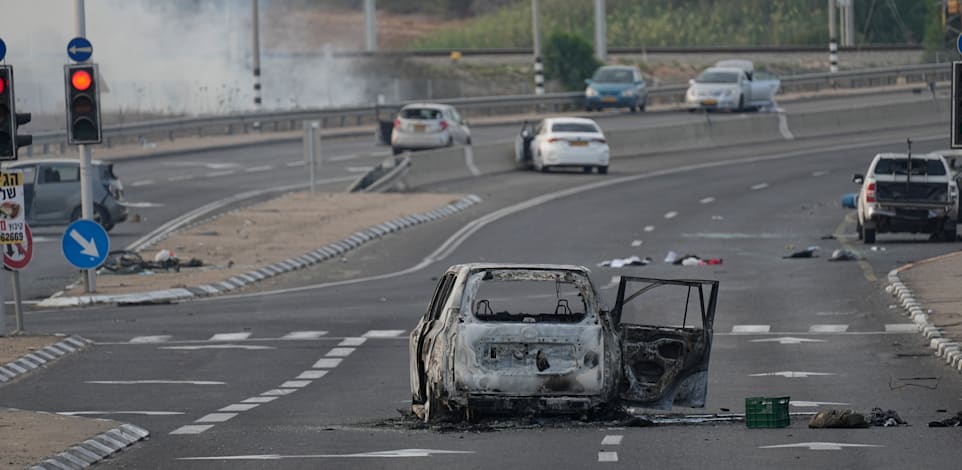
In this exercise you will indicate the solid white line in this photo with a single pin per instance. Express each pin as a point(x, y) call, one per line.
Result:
point(759, 186)
point(612, 440)
point(150, 339)
point(341, 158)
point(358, 169)
point(792, 374)
point(312, 374)
point(215, 418)
point(295, 384)
point(192, 429)
point(383, 333)
point(300, 163)
point(255, 169)
point(339, 352)
point(813, 404)
point(259, 400)
point(230, 336)
point(607, 456)
point(671, 215)
point(136, 184)
point(144, 413)
point(155, 382)
point(327, 363)
point(240, 407)
point(901, 328)
point(352, 342)
point(304, 335)
point(217, 346)
point(707, 200)
point(751, 328)
point(828, 328)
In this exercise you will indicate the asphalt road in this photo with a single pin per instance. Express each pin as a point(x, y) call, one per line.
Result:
point(330, 399)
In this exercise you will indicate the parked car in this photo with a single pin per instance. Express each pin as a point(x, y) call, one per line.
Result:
point(562, 142)
point(510, 337)
point(616, 86)
point(426, 126)
point(52, 192)
point(902, 192)
point(732, 85)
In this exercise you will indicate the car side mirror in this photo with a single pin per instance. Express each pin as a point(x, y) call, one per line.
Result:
point(858, 179)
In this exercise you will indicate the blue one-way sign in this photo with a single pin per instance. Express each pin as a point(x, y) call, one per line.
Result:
point(79, 49)
point(3, 49)
point(85, 244)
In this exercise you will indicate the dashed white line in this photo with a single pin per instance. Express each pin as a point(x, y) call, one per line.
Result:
point(293, 164)
point(240, 407)
point(751, 328)
point(327, 363)
point(788, 374)
point(230, 336)
point(819, 173)
point(259, 400)
point(144, 413)
point(255, 169)
point(217, 346)
point(707, 200)
point(216, 418)
point(612, 440)
point(339, 352)
point(636, 243)
point(649, 228)
point(358, 169)
point(671, 215)
point(150, 339)
point(216, 174)
point(901, 328)
point(312, 374)
point(383, 333)
point(192, 429)
point(352, 342)
point(828, 328)
point(137, 184)
point(279, 392)
point(759, 186)
point(155, 382)
point(181, 178)
point(304, 335)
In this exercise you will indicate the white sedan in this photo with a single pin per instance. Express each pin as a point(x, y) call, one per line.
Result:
point(562, 142)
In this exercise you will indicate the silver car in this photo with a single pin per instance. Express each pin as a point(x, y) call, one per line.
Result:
point(52, 192)
point(426, 126)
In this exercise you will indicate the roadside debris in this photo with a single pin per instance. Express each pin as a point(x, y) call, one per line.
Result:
point(844, 254)
point(690, 260)
point(878, 248)
point(953, 422)
point(837, 419)
point(810, 252)
point(629, 261)
point(886, 418)
point(130, 262)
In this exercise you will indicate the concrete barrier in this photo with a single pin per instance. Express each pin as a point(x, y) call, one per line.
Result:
point(866, 118)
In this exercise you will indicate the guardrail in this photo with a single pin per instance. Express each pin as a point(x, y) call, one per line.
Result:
point(276, 121)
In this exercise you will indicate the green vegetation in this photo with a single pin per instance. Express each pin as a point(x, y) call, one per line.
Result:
point(636, 23)
point(569, 58)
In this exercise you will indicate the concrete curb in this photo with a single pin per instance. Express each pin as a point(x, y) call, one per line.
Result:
point(96, 449)
point(322, 254)
point(944, 348)
point(42, 357)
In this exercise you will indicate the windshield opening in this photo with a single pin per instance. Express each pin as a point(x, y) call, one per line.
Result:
point(421, 113)
point(574, 127)
point(710, 76)
point(613, 76)
point(530, 296)
point(900, 166)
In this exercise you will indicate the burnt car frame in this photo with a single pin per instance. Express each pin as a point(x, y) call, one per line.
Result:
point(535, 338)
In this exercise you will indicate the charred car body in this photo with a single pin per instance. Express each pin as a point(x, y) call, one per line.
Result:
point(536, 338)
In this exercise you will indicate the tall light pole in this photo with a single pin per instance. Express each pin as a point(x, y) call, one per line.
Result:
point(370, 26)
point(86, 192)
point(256, 32)
point(601, 31)
point(536, 33)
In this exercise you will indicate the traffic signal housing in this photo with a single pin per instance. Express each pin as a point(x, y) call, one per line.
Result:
point(9, 118)
point(83, 104)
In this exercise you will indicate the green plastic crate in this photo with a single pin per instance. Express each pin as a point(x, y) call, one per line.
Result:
point(762, 412)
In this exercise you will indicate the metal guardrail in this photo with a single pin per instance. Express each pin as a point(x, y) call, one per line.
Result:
point(172, 129)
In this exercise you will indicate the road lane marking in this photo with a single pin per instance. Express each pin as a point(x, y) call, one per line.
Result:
point(813, 404)
point(218, 346)
point(671, 215)
point(259, 400)
point(759, 186)
point(469, 161)
point(304, 335)
point(817, 446)
point(312, 374)
point(216, 174)
point(339, 352)
point(751, 328)
point(819, 173)
point(649, 228)
point(230, 336)
point(299, 163)
point(828, 328)
point(636, 243)
point(901, 328)
point(150, 339)
point(216, 418)
point(791, 374)
point(788, 340)
point(352, 342)
point(137, 184)
point(192, 429)
point(279, 392)
point(143, 413)
point(255, 169)
point(295, 384)
point(140, 205)
point(400, 453)
point(607, 456)
point(155, 382)
point(383, 333)
point(612, 440)
point(707, 200)
point(327, 363)
point(181, 178)
point(358, 169)
point(867, 269)
point(240, 407)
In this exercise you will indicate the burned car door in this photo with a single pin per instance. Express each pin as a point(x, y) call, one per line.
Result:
point(424, 335)
point(665, 330)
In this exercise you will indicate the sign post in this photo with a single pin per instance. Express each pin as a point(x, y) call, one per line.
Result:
point(12, 224)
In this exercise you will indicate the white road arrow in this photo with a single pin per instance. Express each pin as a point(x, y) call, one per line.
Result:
point(75, 49)
point(788, 340)
point(818, 446)
point(89, 247)
point(217, 346)
point(791, 374)
point(400, 453)
point(813, 404)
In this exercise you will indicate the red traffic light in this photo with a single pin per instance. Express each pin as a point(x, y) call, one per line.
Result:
point(3, 84)
point(81, 80)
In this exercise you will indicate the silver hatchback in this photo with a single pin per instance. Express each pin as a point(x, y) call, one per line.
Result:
point(52, 192)
point(426, 126)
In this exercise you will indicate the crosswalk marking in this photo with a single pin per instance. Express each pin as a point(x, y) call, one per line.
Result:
point(612, 440)
point(327, 363)
point(259, 400)
point(150, 339)
point(339, 352)
point(240, 407)
point(751, 328)
point(279, 392)
point(352, 342)
point(312, 374)
point(216, 418)
point(192, 429)
point(607, 456)
point(828, 328)
point(304, 335)
point(383, 333)
point(230, 336)
point(295, 384)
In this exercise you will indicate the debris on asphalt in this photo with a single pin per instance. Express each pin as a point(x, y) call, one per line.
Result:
point(844, 254)
point(828, 237)
point(130, 262)
point(878, 248)
point(629, 261)
point(886, 418)
point(810, 252)
point(690, 260)
point(837, 419)
point(952, 422)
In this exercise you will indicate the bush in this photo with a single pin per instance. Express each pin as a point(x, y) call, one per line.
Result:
point(570, 59)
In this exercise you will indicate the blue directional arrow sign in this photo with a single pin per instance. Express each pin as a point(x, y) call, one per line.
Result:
point(79, 49)
point(3, 49)
point(85, 244)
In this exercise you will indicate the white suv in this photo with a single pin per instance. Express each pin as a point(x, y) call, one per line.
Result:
point(426, 126)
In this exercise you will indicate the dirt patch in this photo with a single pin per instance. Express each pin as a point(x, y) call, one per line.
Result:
point(266, 233)
point(15, 347)
point(28, 437)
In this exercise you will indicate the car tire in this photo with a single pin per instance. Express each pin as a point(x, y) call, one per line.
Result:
point(633, 109)
point(951, 233)
point(586, 169)
point(467, 141)
point(858, 229)
point(100, 216)
point(433, 409)
point(603, 170)
point(396, 150)
point(868, 235)
point(741, 103)
point(642, 106)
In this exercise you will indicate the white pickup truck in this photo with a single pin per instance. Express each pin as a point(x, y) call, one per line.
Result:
point(902, 192)
point(732, 85)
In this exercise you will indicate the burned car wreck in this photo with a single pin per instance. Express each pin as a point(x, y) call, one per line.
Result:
point(536, 339)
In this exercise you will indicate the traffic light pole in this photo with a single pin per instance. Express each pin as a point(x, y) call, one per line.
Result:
point(86, 195)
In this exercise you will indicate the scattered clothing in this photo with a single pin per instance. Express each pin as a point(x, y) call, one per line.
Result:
point(837, 419)
point(843, 255)
point(690, 260)
point(809, 252)
point(629, 261)
point(952, 422)
point(886, 418)
point(130, 262)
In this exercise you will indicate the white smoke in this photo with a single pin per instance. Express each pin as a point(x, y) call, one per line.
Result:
point(161, 59)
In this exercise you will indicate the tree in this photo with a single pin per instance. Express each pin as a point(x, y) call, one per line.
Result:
point(570, 59)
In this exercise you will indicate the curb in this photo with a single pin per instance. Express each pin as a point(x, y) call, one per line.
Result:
point(322, 254)
point(944, 348)
point(41, 357)
point(95, 449)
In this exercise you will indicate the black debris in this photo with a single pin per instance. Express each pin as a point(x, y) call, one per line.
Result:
point(809, 252)
point(885, 418)
point(843, 255)
point(952, 422)
point(828, 237)
point(130, 262)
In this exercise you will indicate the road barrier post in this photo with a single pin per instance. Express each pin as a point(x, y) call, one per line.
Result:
point(312, 144)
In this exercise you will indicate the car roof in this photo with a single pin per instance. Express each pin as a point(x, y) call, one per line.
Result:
point(574, 120)
point(928, 156)
point(520, 266)
point(724, 69)
point(426, 105)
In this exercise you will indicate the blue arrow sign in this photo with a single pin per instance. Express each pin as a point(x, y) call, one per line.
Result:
point(958, 43)
point(85, 244)
point(3, 49)
point(79, 49)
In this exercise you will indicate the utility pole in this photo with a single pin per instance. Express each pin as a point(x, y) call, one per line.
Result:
point(86, 192)
point(536, 33)
point(832, 37)
point(256, 32)
point(370, 26)
point(849, 23)
point(601, 31)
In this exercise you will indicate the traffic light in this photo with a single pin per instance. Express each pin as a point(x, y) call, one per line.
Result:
point(9, 118)
point(956, 131)
point(83, 104)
